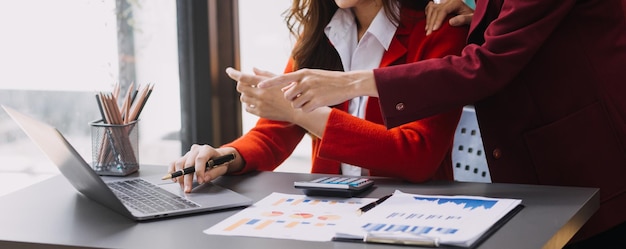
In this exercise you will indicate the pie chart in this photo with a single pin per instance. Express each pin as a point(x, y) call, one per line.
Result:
point(329, 217)
point(301, 215)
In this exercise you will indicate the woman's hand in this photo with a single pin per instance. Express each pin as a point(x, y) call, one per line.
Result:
point(197, 157)
point(437, 12)
point(309, 89)
point(267, 102)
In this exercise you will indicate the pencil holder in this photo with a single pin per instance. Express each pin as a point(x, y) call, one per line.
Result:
point(114, 148)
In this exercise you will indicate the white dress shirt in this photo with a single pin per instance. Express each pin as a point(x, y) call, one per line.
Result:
point(365, 54)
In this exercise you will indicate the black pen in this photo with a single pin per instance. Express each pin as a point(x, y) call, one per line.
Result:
point(373, 204)
point(210, 164)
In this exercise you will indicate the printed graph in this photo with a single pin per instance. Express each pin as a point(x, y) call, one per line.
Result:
point(465, 202)
point(273, 224)
point(417, 230)
point(291, 217)
point(421, 216)
point(312, 202)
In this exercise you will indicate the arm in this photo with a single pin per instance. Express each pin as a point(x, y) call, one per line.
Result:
point(264, 147)
point(269, 102)
point(267, 145)
point(413, 151)
point(275, 135)
point(313, 88)
point(510, 41)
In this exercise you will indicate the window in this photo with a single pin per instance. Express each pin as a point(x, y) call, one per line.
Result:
point(265, 43)
point(57, 54)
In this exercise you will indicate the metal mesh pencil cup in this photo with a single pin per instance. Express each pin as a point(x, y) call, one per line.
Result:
point(114, 148)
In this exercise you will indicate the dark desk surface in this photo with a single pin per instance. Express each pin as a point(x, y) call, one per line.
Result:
point(52, 214)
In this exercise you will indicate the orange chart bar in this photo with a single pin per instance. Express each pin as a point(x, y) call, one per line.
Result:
point(264, 224)
point(278, 202)
point(236, 224)
point(292, 224)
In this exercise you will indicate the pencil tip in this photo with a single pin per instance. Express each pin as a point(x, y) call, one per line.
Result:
point(166, 177)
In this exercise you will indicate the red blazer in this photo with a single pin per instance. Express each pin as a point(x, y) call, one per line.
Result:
point(547, 80)
point(416, 151)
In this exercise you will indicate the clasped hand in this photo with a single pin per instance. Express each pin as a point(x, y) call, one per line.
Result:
point(263, 102)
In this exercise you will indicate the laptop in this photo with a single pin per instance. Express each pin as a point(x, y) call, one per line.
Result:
point(138, 198)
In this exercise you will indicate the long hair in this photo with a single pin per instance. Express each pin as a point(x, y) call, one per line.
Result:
point(306, 20)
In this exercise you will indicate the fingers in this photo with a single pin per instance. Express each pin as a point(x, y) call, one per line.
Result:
point(173, 167)
point(281, 80)
point(262, 72)
point(429, 13)
point(295, 93)
point(233, 74)
point(246, 79)
point(216, 172)
point(435, 15)
point(187, 180)
point(204, 154)
point(248, 97)
point(289, 91)
point(246, 85)
point(461, 20)
point(196, 157)
point(180, 164)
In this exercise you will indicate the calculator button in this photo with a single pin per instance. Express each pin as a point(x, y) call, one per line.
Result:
point(321, 179)
point(350, 180)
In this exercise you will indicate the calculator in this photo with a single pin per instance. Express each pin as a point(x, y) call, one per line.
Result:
point(339, 186)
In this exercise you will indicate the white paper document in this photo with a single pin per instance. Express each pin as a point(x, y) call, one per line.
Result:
point(286, 216)
point(409, 219)
point(433, 219)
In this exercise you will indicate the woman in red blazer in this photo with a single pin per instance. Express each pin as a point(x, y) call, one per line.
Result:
point(547, 80)
point(416, 151)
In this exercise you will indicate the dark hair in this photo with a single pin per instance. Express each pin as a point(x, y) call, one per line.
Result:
point(306, 20)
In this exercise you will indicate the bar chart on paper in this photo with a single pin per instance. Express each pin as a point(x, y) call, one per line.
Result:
point(291, 217)
point(453, 220)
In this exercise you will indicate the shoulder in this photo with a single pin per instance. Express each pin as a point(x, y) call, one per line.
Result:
point(413, 22)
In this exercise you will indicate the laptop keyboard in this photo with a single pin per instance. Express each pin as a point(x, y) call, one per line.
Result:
point(147, 197)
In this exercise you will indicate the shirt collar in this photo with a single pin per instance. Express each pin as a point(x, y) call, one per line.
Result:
point(344, 23)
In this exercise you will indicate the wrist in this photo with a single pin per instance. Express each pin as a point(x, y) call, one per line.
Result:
point(315, 121)
point(363, 83)
point(235, 165)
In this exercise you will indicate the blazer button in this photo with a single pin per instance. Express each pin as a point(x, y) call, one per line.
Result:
point(400, 106)
point(497, 153)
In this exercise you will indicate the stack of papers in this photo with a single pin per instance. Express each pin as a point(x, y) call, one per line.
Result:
point(410, 219)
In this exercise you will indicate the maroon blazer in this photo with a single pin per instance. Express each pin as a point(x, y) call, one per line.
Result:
point(548, 80)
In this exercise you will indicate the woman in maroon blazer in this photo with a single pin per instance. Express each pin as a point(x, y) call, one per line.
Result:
point(416, 151)
point(547, 78)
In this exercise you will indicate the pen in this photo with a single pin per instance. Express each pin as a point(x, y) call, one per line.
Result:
point(210, 164)
point(401, 238)
point(396, 238)
point(373, 204)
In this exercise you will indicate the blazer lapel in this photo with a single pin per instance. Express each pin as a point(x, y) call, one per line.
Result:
point(396, 48)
